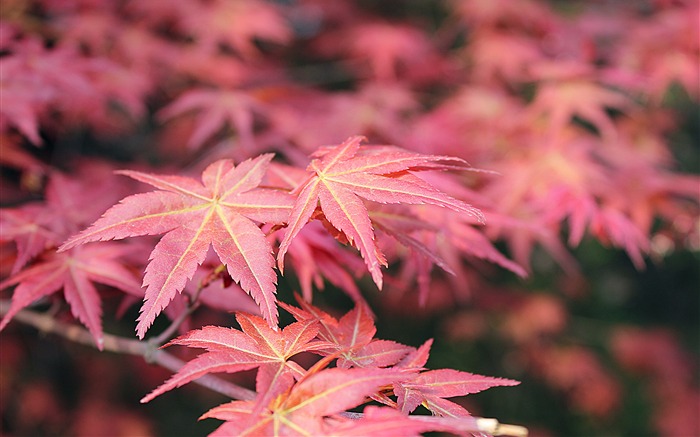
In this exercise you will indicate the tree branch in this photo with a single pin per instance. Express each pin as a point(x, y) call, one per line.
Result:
point(151, 352)
point(148, 350)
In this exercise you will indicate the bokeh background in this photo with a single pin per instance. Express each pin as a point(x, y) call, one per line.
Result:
point(587, 290)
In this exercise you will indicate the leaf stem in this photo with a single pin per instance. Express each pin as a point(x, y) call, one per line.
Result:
point(164, 336)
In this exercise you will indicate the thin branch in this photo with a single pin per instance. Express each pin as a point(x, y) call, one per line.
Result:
point(164, 336)
point(148, 350)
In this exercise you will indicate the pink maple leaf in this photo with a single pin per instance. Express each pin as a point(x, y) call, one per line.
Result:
point(352, 337)
point(304, 409)
point(390, 49)
point(430, 388)
point(340, 176)
point(571, 90)
point(70, 202)
point(220, 211)
point(309, 118)
point(216, 108)
point(74, 271)
point(29, 228)
point(237, 24)
point(487, 48)
point(256, 346)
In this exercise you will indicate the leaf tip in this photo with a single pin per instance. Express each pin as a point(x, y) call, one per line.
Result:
point(67, 245)
point(142, 327)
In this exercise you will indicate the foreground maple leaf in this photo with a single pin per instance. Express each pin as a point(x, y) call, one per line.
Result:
point(351, 337)
point(293, 400)
point(340, 175)
point(256, 346)
point(430, 389)
point(221, 211)
point(302, 411)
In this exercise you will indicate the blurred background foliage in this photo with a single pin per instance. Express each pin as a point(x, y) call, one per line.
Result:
point(605, 350)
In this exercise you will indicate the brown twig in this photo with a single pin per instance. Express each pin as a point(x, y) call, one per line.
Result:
point(147, 349)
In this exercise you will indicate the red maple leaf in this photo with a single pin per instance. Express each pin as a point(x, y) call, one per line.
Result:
point(256, 346)
point(74, 271)
point(341, 175)
point(70, 203)
point(569, 90)
point(291, 399)
point(315, 256)
point(29, 227)
point(304, 409)
point(387, 50)
point(217, 107)
point(235, 24)
point(220, 211)
point(388, 421)
point(430, 389)
point(352, 337)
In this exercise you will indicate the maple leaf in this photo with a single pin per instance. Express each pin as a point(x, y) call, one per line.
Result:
point(29, 84)
point(571, 91)
point(487, 48)
point(73, 271)
point(70, 202)
point(35, 79)
point(659, 51)
point(314, 255)
point(522, 234)
point(217, 107)
point(236, 24)
point(340, 175)
point(385, 46)
point(388, 421)
point(352, 337)
point(609, 225)
point(256, 346)
point(434, 237)
point(309, 118)
point(431, 387)
point(220, 211)
point(302, 411)
point(29, 228)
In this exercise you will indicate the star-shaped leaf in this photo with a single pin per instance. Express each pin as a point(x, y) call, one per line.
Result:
point(220, 211)
point(73, 271)
point(351, 337)
point(302, 411)
point(430, 388)
point(341, 175)
point(256, 346)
